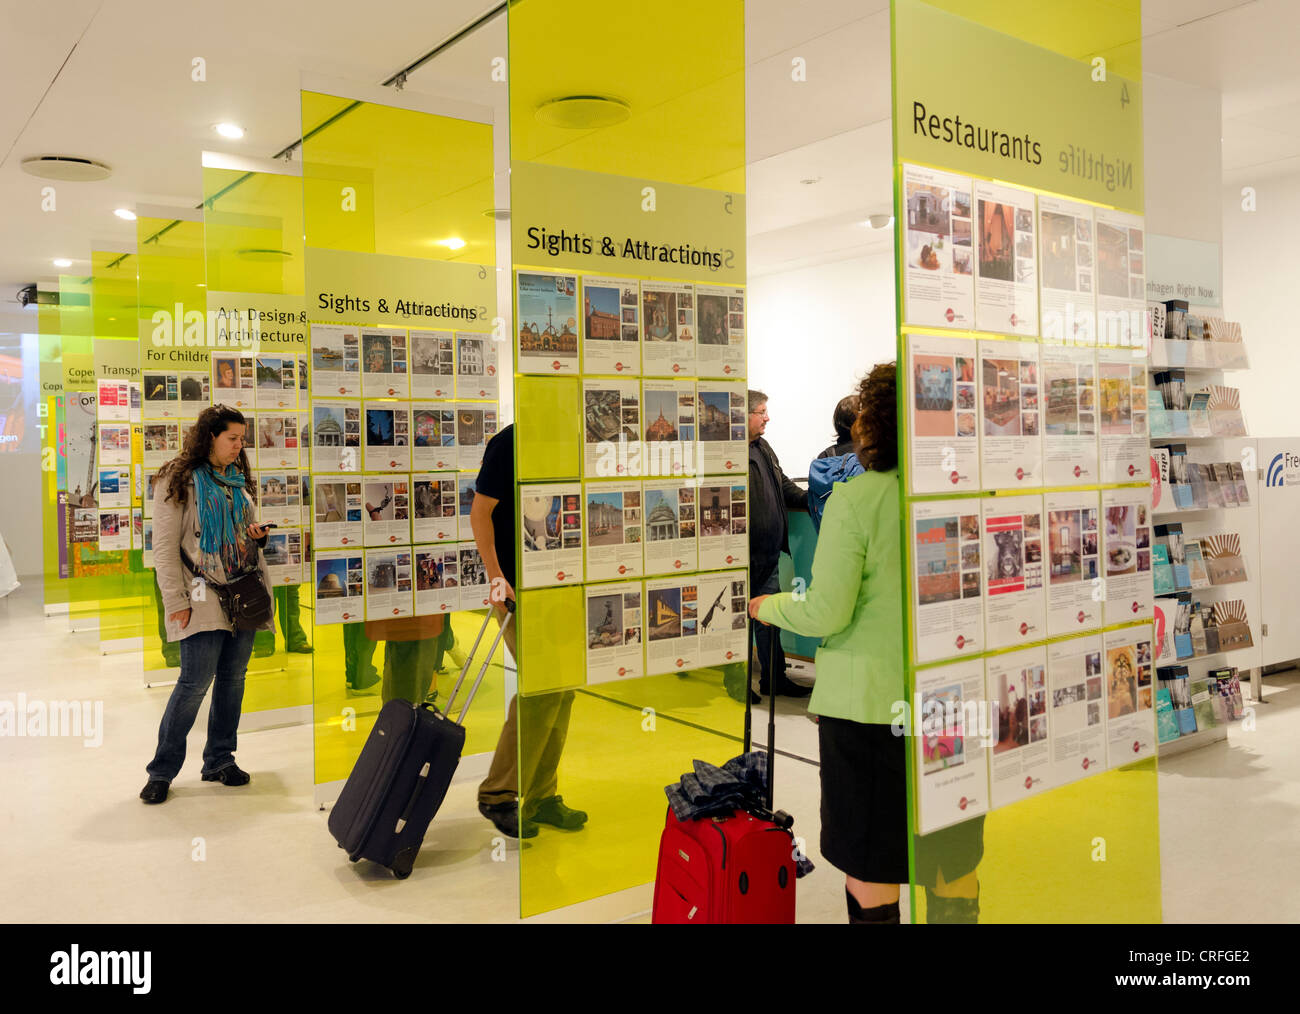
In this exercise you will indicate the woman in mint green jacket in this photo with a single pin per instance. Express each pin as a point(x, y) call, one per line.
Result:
point(854, 603)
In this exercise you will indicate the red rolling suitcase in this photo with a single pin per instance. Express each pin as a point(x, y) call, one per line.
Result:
point(403, 774)
point(737, 869)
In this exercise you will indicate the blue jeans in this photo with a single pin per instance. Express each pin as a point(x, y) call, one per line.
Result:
point(204, 655)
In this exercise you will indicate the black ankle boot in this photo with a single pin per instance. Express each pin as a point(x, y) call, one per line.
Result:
point(881, 915)
point(951, 910)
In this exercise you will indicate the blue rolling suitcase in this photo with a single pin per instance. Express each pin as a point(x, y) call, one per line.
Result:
point(403, 773)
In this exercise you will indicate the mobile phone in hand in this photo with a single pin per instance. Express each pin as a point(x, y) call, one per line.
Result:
point(268, 525)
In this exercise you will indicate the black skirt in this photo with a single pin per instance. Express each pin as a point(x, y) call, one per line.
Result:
point(864, 810)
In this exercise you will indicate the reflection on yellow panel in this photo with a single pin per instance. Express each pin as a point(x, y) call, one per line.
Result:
point(624, 742)
point(552, 636)
point(548, 428)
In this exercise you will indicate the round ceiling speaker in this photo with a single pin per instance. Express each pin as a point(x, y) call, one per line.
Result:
point(584, 112)
point(498, 214)
point(66, 168)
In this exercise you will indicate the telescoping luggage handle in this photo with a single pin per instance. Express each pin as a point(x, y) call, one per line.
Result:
point(469, 660)
point(771, 709)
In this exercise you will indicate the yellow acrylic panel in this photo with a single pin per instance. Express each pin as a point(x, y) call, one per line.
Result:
point(552, 636)
point(548, 428)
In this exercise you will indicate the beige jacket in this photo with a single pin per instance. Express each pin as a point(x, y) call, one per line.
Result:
point(175, 527)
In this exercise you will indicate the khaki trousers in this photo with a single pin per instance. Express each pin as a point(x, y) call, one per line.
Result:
point(529, 761)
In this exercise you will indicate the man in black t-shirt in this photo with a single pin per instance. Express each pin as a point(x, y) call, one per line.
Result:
point(530, 762)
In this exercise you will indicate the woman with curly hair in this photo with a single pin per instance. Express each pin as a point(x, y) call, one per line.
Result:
point(854, 603)
point(205, 533)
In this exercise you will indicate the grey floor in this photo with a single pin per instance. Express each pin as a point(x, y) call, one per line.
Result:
point(77, 845)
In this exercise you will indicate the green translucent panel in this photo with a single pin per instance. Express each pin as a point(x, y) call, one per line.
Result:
point(1088, 851)
point(552, 638)
point(622, 744)
point(674, 84)
point(548, 428)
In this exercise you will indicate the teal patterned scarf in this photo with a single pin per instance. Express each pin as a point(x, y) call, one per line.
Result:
point(224, 516)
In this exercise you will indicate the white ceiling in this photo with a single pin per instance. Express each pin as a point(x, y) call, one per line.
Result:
point(110, 79)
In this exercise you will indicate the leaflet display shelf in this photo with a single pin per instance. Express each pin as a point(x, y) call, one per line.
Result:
point(1205, 364)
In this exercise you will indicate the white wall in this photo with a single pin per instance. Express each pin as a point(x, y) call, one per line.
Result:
point(814, 333)
point(1259, 290)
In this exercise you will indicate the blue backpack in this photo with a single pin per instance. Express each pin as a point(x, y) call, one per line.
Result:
point(823, 474)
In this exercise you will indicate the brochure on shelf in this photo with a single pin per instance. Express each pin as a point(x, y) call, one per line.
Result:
point(1232, 625)
point(1166, 723)
point(667, 329)
point(1006, 265)
point(614, 644)
point(386, 520)
point(1196, 564)
point(476, 424)
point(437, 579)
point(1014, 604)
point(1067, 306)
point(115, 486)
point(434, 499)
point(389, 591)
point(1011, 446)
point(1074, 591)
point(948, 604)
point(614, 526)
point(477, 372)
point(938, 279)
point(1158, 422)
point(433, 436)
point(277, 382)
point(720, 330)
point(1170, 538)
point(611, 335)
point(668, 427)
point(114, 444)
point(1021, 762)
point(723, 519)
point(162, 442)
point(1077, 716)
point(611, 411)
point(433, 365)
point(722, 426)
point(340, 586)
point(114, 400)
point(669, 528)
point(335, 361)
point(723, 617)
point(550, 519)
point(951, 752)
point(1122, 416)
point(1126, 553)
point(387, 436)
point(279, 498)
point(384, 372)
point(547, 310)
point(337, 503)
point(114, 530)
point(283, 554)
point(671, 625)
point(942, 425)
point(1068, 393)
point(1222, 557)
point(1130, 712)
point(335, 436)
point(1180, 488)
point(277, 437)
point(1121, 279)
point(180, 394)
point(1202, 692)
point(1174, 680)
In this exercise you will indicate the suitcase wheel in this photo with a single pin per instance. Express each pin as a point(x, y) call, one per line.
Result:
point(402, 863)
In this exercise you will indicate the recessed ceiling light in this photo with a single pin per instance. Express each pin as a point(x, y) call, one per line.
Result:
point(68, 168)
point(233, 131)
point(264, 254)
point(126, 214)
point(879, 221)
point(454, 243)
point(62, 262)
point(584, 112)
point(811, 180)
point(499, 214)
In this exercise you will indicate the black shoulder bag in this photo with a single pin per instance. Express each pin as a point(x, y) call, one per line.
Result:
point(245, 600)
